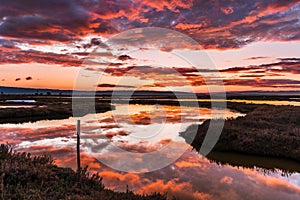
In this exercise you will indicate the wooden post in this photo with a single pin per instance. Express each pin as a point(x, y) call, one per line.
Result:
point(78, 146)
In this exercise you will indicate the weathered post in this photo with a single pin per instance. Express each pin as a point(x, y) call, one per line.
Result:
point(78, 146)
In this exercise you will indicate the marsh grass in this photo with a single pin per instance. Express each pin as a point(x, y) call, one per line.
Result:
point(47, 111)
point(23, 176)
point(266, 130)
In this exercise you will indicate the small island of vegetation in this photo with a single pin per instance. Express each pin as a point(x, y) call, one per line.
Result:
point(265, 130)
point(44, 108)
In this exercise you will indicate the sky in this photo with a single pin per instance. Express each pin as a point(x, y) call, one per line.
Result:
point(192, 45)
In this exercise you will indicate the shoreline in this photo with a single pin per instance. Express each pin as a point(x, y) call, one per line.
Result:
point(265, 130)
point(43, 109)
point(236, 137)
point(264, 163)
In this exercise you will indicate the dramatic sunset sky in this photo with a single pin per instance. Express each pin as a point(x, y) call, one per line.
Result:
point(255, 45)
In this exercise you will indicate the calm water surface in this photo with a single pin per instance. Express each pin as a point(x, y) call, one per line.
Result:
point(147, 128)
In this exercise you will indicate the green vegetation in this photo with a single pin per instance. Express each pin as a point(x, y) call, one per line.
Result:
point(266, 130)
point(23, 176)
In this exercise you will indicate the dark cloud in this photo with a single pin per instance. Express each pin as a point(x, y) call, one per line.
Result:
point(98, 42)
point(8, 44)
point(256, 58)
point(28, 78)
point(17, 79)
point(214, 24)
point(124, 57)
point(240, 69)
point(113, 85)
point(151, 72)
point(51, 20)
point(252, 76)
point(81, 53)
point(31, 56)
point(286, 65)
point(290, 59)
point(32, 27)
point(105, 28)
point(95, 42)
point(273, 83)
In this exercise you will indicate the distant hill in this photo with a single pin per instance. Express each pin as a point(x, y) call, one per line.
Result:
point(33, 91)
point(264, 93)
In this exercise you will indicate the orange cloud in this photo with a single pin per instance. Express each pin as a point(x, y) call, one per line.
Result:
point(181, 190)
point(182, 164)
point(171, 5)
point(233, 24)
point(226, 179)
point(32, 56)
point(227, 10)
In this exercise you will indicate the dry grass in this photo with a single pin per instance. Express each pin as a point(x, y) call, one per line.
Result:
point(265, 130)
point(23, 176)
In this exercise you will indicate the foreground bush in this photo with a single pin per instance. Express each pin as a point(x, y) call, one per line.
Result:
point(23, 176)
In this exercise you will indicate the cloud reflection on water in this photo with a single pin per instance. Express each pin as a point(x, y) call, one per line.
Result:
point(189, 177)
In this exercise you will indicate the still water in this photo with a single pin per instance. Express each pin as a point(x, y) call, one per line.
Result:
point(139, 130)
